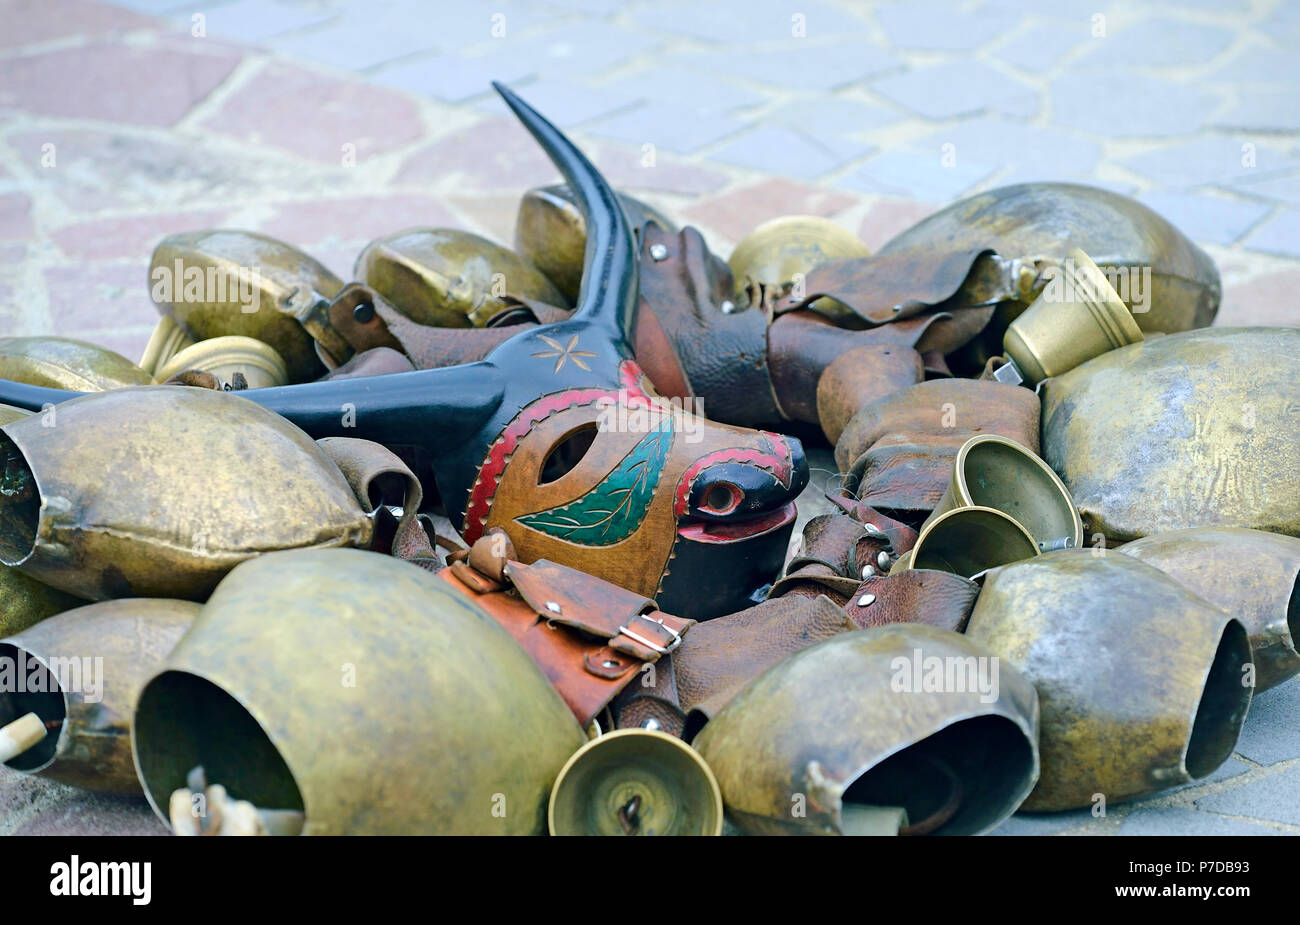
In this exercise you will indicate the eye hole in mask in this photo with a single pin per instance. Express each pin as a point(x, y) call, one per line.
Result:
point(566, 454)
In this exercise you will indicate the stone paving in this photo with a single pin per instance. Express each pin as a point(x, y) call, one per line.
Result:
point(330, 122)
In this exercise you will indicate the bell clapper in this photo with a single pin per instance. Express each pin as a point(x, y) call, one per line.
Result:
point(627, 816)
point(20, 735)
point(202, 809)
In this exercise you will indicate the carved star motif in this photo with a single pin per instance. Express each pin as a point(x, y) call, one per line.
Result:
point(564, 353)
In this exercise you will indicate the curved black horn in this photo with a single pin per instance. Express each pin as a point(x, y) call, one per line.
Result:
point(441, 404)
point(32, 397)
point(609, 292)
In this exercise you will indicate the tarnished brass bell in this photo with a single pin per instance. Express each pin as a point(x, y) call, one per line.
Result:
point(450, 278)
point(1253, 575)
point(1188, 430)
point(997, 472)
point(220, 282)
point(635, 782)
point(224, 357)
point(780, 252)
point(1169, 283)
point(904, 715)
point(1076, 317)
point(63, 363)
point(1143, 685)
point(967, 540)
point(361, 691)
point(80, 673)
point(160, 490)
point(25, 601)
point(551, 233)
point(167, 340)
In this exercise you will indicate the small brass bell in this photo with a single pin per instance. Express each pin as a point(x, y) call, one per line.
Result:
point(1143, 685)
point(1076, 317)
point(224, 357)
point(220, 281)
point(167, 340)
point(360, 691)
point(450, 278)
point(186, 484)
point(969, 540)
point(551, 234)
point(1251, 574)
point(79, 674)
point(63, 363)
point(635, 782)
point(997, 472)
point(893, 716)
point(779, 252)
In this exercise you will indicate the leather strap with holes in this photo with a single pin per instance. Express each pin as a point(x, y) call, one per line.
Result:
point(589, 638)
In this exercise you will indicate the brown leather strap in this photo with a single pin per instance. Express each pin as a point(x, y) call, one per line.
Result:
point(724, 654)
point(378, 361)
point(650, 700)
point(588, 636)
point(894, 287)
point(718, 346)
point(583, 669)
point(928, 596)
point(380, 481)
point(861, 375)
point(566, 596)
point(373, 323)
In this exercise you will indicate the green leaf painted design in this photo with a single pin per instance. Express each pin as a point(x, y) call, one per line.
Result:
point(613, 509)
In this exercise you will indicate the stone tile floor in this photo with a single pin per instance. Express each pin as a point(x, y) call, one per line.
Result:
point(329, 122)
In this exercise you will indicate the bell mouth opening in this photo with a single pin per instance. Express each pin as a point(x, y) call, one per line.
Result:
point(1012, 479)
point(969, 540)
point(1225, 698)
point(962, 780)
point(27, 685)
point(20, 504)
point(635, 782)
point(184, 721)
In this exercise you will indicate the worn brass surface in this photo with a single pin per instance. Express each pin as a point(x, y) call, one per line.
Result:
point(359, 689)
point(1141, 682)
point(160, 490)
point(846, 721)
point(1077, 316)
point(450, 278)
point(1253, 575)
point(967, 540)
point(260, 364)
point(998, 472)
point(772, 254)
point(24, 600)
point(168, 339)
point(635, 782)
point(92, 661)
point(199, 278)
point(1194, 429)
point(1048, 219)
point(63, 363)
point(551, 233)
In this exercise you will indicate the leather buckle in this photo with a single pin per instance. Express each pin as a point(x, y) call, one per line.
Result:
point(676, 641)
